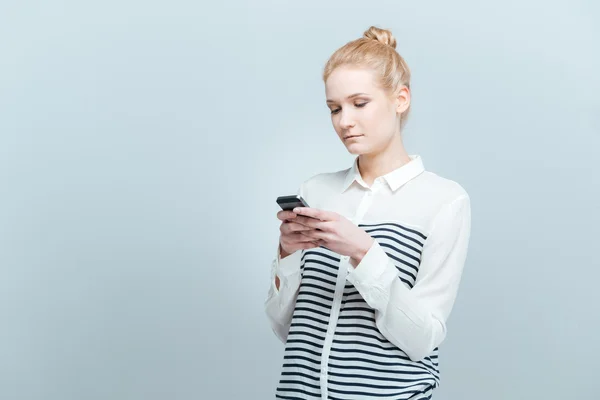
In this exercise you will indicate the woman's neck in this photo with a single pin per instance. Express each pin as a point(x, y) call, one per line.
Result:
point(372, 166)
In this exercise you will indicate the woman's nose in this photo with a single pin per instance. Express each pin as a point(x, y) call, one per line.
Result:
point(347, 120)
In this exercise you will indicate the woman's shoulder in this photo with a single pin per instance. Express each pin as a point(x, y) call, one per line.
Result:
point(434, 185)
point(427, 195)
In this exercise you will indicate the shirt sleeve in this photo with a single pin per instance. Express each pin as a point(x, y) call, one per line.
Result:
point(415, 319)
point(280, 304)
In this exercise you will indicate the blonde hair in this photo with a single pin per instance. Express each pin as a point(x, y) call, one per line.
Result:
point(375, 50)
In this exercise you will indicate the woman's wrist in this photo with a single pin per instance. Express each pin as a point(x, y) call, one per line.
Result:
point(282, 252)
point(361, 251)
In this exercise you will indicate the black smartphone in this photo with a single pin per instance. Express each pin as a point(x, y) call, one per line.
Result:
point(288, 203)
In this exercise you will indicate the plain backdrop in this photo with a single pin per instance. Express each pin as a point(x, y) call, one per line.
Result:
point(143, 144)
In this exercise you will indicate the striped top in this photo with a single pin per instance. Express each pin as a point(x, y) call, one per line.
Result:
point(372, 330)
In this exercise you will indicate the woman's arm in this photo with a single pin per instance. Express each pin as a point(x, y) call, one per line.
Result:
point(285, 284)
point(280, 302)
point(415, 319)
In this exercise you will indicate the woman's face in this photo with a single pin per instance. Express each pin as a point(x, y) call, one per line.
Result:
point(364, 115)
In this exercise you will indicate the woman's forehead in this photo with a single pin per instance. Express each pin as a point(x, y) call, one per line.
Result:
point(346, 82)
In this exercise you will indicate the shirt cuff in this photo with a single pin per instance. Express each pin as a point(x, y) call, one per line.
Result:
point(370, 268)
point(285, 267)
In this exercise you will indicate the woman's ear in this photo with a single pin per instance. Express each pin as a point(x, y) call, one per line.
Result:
point(402, 99)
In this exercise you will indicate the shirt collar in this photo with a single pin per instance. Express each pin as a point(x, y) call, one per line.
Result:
point(395, 178)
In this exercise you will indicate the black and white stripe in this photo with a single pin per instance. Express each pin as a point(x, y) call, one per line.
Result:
point(362, 363)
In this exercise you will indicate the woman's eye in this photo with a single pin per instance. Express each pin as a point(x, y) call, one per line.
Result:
point(359, 105)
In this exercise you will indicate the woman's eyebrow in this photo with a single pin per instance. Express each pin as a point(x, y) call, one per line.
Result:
point(349, 97)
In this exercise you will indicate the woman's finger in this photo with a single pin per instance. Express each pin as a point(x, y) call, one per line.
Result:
point(296, 227)
point(315, 234)
point(308, 221)
point(301, 238)
point(284, 215)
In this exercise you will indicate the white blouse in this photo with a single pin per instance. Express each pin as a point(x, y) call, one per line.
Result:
point(374, 330)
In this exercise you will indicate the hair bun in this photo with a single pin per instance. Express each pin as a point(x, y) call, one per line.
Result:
point(381, 35)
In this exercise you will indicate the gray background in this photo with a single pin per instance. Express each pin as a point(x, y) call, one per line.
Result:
point(143, 144)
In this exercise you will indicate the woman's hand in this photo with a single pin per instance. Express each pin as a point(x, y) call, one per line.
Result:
point(334, 231)
point(291, 237)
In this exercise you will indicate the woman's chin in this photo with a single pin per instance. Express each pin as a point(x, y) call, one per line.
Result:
point(355, 149)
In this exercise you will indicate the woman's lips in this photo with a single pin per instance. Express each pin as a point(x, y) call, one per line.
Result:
point(352, 137)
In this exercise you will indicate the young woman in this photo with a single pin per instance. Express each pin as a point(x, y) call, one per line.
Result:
point(365, 278)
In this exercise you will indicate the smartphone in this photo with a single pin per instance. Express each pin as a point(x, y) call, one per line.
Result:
point(288, 203)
